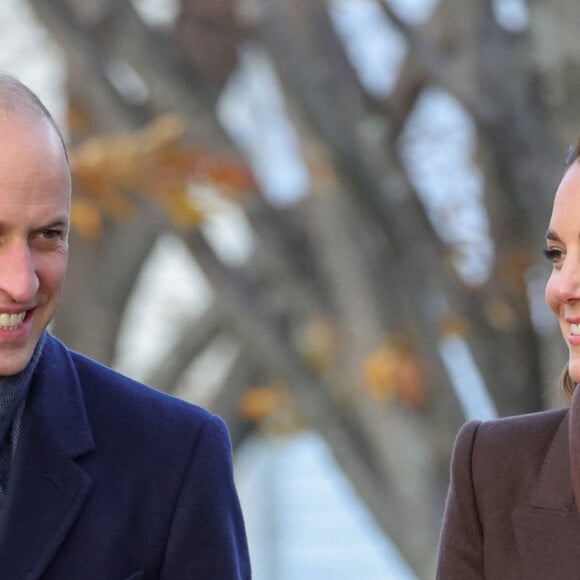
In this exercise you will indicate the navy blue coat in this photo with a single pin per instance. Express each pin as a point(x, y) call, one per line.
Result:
point(112, 480)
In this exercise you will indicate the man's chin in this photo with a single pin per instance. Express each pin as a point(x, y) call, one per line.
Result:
point(11, 363)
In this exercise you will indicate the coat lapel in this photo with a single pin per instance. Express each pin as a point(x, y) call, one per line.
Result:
point(574, 432)
point(47, 488)
point(547, 530)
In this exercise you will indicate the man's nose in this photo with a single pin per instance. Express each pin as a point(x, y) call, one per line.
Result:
point(18, 276)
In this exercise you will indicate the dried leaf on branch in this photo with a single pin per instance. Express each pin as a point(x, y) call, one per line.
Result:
point(154, 162)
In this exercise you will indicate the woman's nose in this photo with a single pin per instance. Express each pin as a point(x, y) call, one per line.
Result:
point(18, 278)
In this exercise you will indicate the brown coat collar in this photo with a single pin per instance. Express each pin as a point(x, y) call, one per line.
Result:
point(547, 530)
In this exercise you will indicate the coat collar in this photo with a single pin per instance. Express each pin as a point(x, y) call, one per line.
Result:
point(574, 432)
point(47, 488)
point(547, 529)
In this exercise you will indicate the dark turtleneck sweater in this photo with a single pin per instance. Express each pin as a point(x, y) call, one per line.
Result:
point(13, 392)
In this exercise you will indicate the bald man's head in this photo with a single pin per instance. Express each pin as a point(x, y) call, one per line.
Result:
point(17, 98)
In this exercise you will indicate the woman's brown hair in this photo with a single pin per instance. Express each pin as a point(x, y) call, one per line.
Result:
point(565, 383)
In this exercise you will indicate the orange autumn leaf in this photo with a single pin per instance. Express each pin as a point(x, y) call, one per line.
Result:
point(162, 133)
point(410, 379)
point(79, 119)
point(86, 218)
point(318, 344)
point(153, 162)
point(183, 212)
point(259, 402)
point(232, 176)
point(271, 405)
point(378, 372)
point(395, 371)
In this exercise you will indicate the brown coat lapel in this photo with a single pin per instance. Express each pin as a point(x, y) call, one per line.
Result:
point(547, 530)
point(574, 445)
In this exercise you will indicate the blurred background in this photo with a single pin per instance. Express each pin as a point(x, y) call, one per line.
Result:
point(323, 220)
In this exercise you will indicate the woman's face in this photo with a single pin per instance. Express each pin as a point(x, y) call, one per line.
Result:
point(563, 250)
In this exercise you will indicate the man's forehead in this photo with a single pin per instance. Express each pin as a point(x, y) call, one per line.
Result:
point(28, 118)
point(33, 171)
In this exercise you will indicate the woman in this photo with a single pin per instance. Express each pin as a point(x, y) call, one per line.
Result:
point(513, 505)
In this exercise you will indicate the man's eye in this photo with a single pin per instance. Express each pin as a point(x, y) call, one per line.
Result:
point(554, 254)
point(51, 234)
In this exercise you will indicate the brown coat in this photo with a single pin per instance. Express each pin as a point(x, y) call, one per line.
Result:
point(513, 506)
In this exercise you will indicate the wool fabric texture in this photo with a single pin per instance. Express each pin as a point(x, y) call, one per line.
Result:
point(13, 391)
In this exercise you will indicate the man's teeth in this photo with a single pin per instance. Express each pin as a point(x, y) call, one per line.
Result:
point(8, 321)
point(574, 328)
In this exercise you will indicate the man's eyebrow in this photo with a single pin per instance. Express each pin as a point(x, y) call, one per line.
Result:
point(58, 221)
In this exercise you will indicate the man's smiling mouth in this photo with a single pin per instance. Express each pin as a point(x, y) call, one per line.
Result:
point(12, 321)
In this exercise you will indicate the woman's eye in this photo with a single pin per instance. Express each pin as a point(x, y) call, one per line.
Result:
point(554, 255)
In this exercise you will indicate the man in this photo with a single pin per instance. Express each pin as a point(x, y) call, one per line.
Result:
point(101, 478)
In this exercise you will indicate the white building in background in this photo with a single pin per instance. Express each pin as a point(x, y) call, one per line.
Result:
point(304, 520)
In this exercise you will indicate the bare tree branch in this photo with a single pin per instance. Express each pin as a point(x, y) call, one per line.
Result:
point(194, 338)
